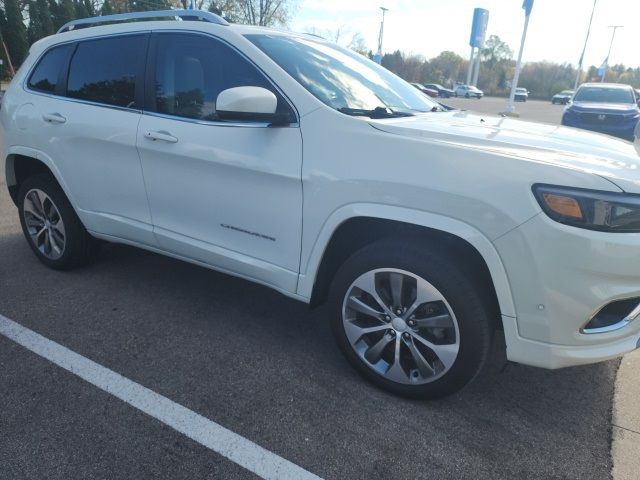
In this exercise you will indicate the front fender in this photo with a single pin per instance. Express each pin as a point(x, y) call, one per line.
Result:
point(310, 265)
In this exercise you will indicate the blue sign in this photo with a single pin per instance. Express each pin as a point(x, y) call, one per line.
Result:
point(528, 6)
point(479, 27)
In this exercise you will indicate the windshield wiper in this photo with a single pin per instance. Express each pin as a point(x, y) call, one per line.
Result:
point(378, 112)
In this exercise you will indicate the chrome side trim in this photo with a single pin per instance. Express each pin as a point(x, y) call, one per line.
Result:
point(218, 123)
point(196, 15)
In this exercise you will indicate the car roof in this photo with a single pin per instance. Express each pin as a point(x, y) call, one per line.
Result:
point(157, 25)
point(607, 85)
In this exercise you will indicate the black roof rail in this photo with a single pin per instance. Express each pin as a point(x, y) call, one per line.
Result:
point(189, 15)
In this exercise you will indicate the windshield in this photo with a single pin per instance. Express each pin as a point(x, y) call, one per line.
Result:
point(604, 95)
point(521, 90)
point(566, 92)
point(340, 78)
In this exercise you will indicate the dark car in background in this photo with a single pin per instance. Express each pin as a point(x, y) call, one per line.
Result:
point(562, 97)
point(609, 108)
point(427, 91)
point(442, 92)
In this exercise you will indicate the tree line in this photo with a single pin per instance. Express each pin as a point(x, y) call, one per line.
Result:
point(543, 79)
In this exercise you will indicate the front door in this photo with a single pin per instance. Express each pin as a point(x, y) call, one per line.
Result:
point(224, 194)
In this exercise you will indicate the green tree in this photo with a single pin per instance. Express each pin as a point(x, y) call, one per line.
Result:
point(40, 22)
point(65, 12)
point(4, 69)
point(106, 8)
point(15, 33)
point(144, 5)
point(495, 50)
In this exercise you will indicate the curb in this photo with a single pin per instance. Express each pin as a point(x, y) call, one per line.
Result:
point(625, 447)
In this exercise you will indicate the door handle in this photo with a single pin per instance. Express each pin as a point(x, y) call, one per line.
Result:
point(53, 118)
point(162, 136)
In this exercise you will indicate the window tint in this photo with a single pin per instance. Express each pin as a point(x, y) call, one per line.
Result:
point(191, 70)
point(104, 71)
point(45, 76)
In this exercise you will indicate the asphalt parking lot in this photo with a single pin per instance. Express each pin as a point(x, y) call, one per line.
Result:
point(264, 367)
point(536, 110)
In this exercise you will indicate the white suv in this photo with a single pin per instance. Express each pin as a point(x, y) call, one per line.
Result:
point(295, 163)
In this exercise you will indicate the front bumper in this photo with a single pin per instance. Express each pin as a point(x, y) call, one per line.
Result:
point(560, 276)
point(552, 356)
point(624, 129)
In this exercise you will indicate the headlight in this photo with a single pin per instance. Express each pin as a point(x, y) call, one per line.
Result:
point(591, 209)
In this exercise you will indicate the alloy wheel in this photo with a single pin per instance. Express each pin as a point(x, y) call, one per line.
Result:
point(401, 326)
point(44, 224)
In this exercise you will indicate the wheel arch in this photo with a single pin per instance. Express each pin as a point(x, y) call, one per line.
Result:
point(23, 162)
point(353, 226)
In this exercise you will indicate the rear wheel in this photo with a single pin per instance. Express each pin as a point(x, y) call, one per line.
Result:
point(467, 95)
point(49, 223)
point(409, 320)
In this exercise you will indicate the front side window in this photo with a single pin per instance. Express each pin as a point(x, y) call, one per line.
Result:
point(191, 71)
point(46, 75)
point(340, 78)
point(105, 70)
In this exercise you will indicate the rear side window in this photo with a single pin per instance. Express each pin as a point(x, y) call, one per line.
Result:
point(106, 70)
point(46, 75)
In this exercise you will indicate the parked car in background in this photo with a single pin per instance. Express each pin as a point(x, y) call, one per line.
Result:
point(609, 108)
point(442, 92)
point(468, 91)
point(562, 97)
point(522, 95)
point(427, 91)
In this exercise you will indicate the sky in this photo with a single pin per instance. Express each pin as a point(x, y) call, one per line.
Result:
point(557, 28)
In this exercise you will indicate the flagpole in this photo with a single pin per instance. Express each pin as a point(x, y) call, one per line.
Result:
point(528, 4)
point(584, 49)
point(606, 61)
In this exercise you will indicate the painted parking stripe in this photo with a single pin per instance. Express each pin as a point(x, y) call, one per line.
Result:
point(236, 448)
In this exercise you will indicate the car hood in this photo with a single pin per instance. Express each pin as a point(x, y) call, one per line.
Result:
point(608, 157)
point(592, 107)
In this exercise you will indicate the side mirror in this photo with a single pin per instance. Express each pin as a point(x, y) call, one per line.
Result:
point(255, 104)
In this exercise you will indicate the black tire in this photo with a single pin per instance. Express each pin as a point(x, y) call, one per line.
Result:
point(438, 267)
point(79, 246)
point(467, 95)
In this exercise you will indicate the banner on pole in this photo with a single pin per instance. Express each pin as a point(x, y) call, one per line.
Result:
point(479, 27)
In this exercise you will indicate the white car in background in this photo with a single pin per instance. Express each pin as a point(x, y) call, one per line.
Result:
point(292, 162)
point(468, 91)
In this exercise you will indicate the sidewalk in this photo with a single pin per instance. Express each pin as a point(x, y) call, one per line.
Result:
point(625, 449)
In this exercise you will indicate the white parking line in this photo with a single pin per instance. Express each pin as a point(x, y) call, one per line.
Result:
point(238, 449)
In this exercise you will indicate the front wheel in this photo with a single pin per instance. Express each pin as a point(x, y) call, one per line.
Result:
point(409, 319)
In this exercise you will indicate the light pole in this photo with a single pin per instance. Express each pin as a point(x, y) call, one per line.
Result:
point(379, 55)
point(606, 61)
point(584, 49)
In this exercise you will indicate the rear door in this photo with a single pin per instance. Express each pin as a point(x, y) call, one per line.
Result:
point(90, 119)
